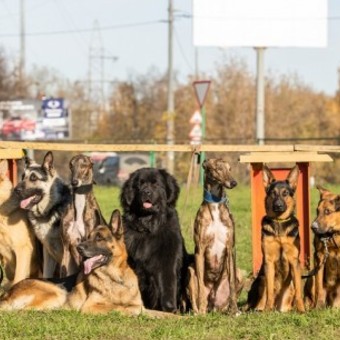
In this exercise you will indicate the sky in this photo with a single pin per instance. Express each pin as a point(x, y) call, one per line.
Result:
point(134, 37)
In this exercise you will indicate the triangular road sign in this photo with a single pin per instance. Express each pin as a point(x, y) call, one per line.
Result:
point(201, 89)
point(196, 131)
point(196, 118)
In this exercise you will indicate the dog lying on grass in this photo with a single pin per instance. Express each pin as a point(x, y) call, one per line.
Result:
point(107, 283)
point(323, 289)
point(278, 284)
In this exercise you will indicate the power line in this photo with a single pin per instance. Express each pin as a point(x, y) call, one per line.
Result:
point(85, 30)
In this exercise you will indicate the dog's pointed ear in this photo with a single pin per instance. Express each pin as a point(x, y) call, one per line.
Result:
point(293, 177)
point(116, 224)
point(323, 192)
point(48, 162)
point(337, 203)
point(99, 218)
point(267, 176)
point(3, 167)
point(171, 186)
point(27, 162)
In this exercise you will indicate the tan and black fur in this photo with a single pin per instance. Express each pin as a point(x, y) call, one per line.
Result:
point(106, 284)
point(45, 197)
point(213, 283)
point(323, 289)
point(278, 285)
point(82, 214)
point(18, 245)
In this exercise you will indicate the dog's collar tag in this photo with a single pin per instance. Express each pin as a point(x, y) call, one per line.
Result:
point(210, 198)
point(83, 189)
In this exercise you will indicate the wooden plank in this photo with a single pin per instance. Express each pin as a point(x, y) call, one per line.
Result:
point(11, 153)
point(54, 146)
point(318, 148)
point(269, 157)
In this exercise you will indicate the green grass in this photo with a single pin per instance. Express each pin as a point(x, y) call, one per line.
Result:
point(321, 324)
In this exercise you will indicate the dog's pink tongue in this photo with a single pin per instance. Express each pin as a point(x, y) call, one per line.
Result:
point(147, 205)
point(90, 263)
point(24, 203)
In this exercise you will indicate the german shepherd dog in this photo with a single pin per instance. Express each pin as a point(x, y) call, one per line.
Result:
point(82, 214)
point(278, 284)
point(18, 245)
point(107, 283)
point(213, 282)
point(323, 289)
point(43, 193)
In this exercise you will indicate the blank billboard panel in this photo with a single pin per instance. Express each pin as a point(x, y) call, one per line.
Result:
point(260, 23)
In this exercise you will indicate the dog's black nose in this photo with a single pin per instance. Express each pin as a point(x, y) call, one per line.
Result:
point(17, 190)
point(233, 183)
point(80, 248)
point(147, 192)
point(315, 227)
point(75, 182)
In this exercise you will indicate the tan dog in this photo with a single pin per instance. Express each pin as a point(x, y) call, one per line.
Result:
point(323, 289)
point(45, 196)
point(106, 284)
point(278, 285)
point(213, 282)
point(18, 246)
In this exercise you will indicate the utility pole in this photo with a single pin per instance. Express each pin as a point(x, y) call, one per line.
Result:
point(22, 48)
point(96, 87)
point(171, 107)
point(260, 96)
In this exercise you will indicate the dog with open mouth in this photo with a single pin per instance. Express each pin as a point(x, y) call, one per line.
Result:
point(107, 283)
point(19, 253)
point(153, 237)
point(45, 196)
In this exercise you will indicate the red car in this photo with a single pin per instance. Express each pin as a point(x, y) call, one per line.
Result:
point(12, 127)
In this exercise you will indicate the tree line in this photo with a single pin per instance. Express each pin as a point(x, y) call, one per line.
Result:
point(136, 108)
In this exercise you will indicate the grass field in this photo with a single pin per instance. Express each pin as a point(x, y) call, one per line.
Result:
point(321, 324)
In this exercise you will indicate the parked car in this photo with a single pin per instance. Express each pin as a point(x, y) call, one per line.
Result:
point(129, 162)
point(105, 168)
point(112, 168)
point(13, 127)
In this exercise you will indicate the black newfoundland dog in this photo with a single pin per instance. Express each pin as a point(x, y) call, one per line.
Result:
point(153, 237)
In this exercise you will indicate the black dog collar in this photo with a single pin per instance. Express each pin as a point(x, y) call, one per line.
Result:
point(83, 189)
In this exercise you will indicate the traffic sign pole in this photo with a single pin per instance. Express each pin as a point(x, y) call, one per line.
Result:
point(201, 89)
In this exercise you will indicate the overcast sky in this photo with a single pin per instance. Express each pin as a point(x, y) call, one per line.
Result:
point(60, 33)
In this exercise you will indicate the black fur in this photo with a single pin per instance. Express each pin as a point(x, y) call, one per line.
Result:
point(153, 237)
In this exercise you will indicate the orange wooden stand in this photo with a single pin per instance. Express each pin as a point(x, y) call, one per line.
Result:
point(256, 161)
point(12, 155)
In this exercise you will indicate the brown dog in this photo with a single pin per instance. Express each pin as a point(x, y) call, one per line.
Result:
point(213, 282)
point(324, 289)
point(18, 245)
point(106, 284)
point(82, 214)
point(278, 284)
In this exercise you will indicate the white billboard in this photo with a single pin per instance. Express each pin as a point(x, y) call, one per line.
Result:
point(260, 23)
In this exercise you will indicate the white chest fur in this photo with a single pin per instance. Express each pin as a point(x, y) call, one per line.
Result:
point(79, 205)
point(218, 231)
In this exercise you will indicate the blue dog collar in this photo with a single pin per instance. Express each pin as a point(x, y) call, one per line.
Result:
point(210, 198)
